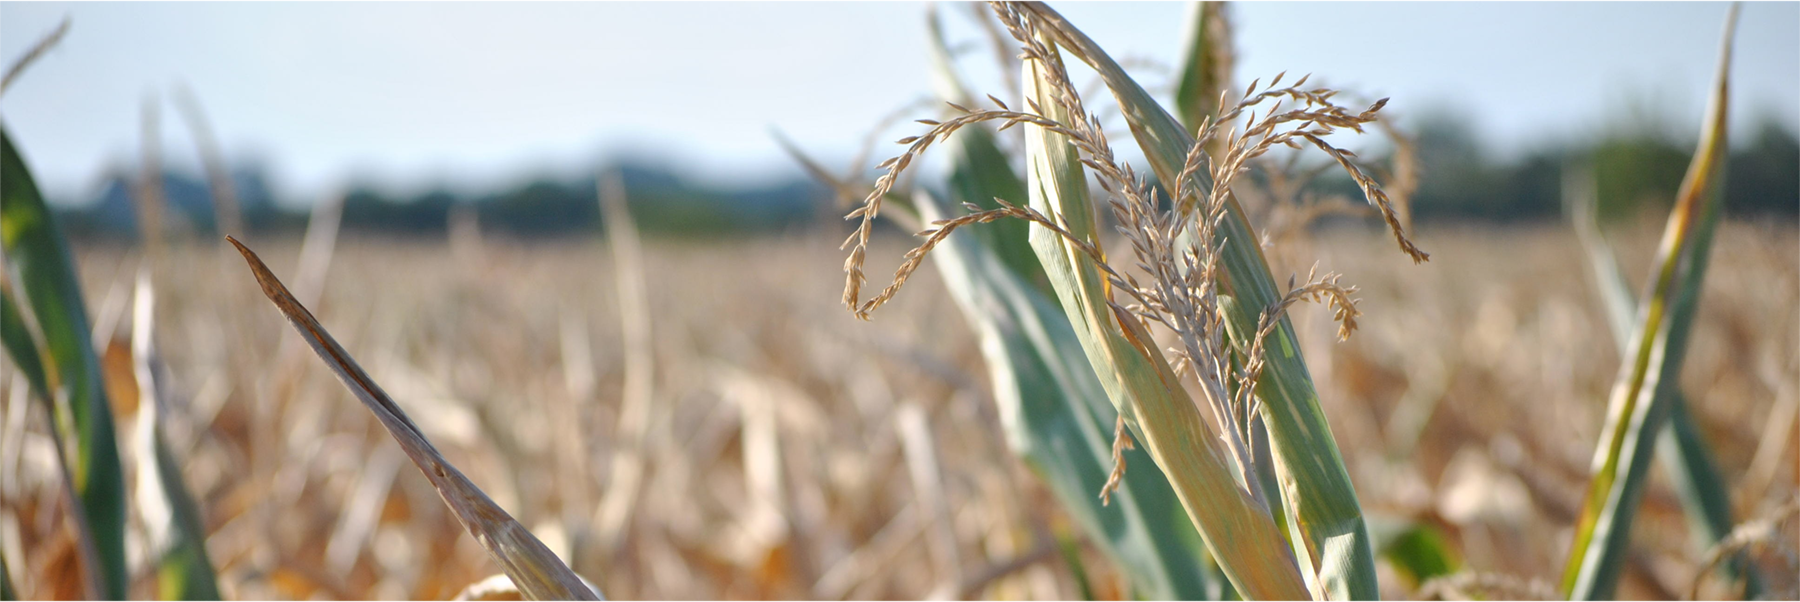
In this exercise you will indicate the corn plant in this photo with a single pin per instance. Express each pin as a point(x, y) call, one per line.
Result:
point(1048, 398)
point(1286, 527)
point(1645, 391)
point(1681, 447)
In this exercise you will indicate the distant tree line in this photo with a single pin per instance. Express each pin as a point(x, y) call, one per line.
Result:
point(1633, 171)
point(661, 203)
point(1459, 182)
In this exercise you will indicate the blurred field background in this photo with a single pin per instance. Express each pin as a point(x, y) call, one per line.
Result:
point(789, 451)
point(774, 466)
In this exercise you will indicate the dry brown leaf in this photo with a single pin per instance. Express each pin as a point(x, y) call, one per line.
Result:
point(540, 575)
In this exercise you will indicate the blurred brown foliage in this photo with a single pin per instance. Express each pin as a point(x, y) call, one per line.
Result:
point(774, 461)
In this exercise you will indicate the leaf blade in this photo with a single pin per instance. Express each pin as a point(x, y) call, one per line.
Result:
point(537, 572)
point(1658, 346)
point(1207, 64)
point(35, 248)
point(1680, 447)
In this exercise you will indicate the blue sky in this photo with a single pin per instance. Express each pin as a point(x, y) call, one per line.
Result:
point(413, 95)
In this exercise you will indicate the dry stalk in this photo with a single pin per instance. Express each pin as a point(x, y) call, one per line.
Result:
point(613, 517)
point(923, 464)
point(1469, 586)
point(844, 190)
point(500, 587)
point(866, 560)
point(1045, 549)
point(1778, 430)
point(1763, 532)
point(149, 200)
point(37, 50)
point(227, 216)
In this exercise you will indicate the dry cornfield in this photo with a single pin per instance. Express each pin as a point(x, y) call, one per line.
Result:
point(791, 452)
point(696, 419)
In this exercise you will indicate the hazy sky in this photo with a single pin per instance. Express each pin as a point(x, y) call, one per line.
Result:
point(412, 95)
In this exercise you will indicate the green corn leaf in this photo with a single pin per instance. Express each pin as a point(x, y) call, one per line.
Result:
point(1647, 378)
point(1324, 516)
point(36, 251)
point(19, 344)
point(27, 355)
point(1139, 382)
point(979, 174)
point(1259, 431)
point(1581, 204)
point(1416, 549)
point(1057, 419)
point(1681, 448)
point(1204, 75)
point(1705, 496)
point(1206, 69)
point(1068, 547)
point(7, 593)
point(183, 569)
point(979, 170)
